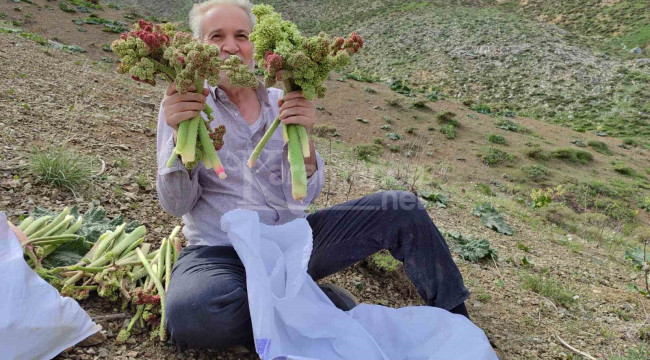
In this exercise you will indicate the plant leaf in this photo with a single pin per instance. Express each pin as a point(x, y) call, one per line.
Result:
point(491, 218)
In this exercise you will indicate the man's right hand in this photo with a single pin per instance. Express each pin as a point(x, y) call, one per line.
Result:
point(180, 107)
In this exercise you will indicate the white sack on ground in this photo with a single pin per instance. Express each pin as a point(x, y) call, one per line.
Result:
point(35, 321)
point(293, 319)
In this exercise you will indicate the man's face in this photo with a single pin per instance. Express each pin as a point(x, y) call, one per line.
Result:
point(228, 27)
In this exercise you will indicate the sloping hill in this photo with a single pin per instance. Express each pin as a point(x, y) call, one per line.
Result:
point(490, 54)
point(623, 24)
point(564, 271)
point(495, 53)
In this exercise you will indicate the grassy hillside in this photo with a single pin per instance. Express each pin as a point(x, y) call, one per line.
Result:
point(490, 54)
point(620, 23)
point(577, 202)
point(563, 271)
point(174, 10)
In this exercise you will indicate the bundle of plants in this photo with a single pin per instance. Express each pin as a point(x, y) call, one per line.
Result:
point(118, 264)
point(160, 50)
point(299, 63)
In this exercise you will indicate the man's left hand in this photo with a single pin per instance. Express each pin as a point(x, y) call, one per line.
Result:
point(295, 109)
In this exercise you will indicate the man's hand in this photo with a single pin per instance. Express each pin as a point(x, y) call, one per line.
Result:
point(180, 107)
point(295, 109)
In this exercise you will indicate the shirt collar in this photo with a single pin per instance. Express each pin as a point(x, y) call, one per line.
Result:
point(261, 92)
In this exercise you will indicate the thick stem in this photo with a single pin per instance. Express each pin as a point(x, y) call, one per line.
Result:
point(285, 134)
point(177, 242)
point(258, 149)
point(107, 239)
point(135, 318)
point(61, 226)
point(25, 223)
point(51, 240)
point(304, 140)
point(117, 250)
point(173, 157)
point(181, 140)
point(88, 269)
point(133, 246)
point(75, 227)
point(297, 165)
point(188, 153)
point(168, 264)
point(53, 224)
point(74, 279)
point(161, 292)
point(210, 152)
point(34, 226)
point(288, 87)
point(162, 258)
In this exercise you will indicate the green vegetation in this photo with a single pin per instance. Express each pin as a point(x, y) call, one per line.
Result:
point(367, 152)
point(394, 136)
point(482, 109)
point(491, 218)
point(549, 288)
point(61, 168)
point(640, 352)
point(323, 130)
point(599, 147)
point(369, 90)
point(113, 26)
point(574, 156)
point(509, 125)
point(65, 6)
point(624, 169)
point(631, 141)
point(537, 153)
point(449, 130)
point(494, 156)
point(383, 260)
point(447, 118)
point(497, 139)
point(87, 4)
point(472, 249)
point(536, 172)
point(34, 37)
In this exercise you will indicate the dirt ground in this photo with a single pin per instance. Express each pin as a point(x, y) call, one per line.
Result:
point(65, 100)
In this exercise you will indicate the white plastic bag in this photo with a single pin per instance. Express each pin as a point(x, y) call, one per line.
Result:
point(293, 319)
point(35, 321)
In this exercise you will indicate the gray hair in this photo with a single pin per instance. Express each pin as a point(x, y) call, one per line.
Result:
point(200, 9)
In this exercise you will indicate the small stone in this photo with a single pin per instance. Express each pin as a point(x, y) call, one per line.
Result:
point(132, 353)
point(636, 50)
point(102, 352)
point(90, 351)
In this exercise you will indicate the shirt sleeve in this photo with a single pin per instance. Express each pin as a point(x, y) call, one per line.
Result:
point(178, 189)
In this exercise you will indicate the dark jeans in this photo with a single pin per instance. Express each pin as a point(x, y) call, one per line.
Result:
point(207, 304)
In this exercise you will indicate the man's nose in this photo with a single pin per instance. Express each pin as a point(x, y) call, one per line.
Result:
point(230, 46)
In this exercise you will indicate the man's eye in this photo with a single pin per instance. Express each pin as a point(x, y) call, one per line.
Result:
point(216, 36)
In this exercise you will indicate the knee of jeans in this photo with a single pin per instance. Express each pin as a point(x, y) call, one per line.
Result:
point(208, 321)
point(402, 203)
